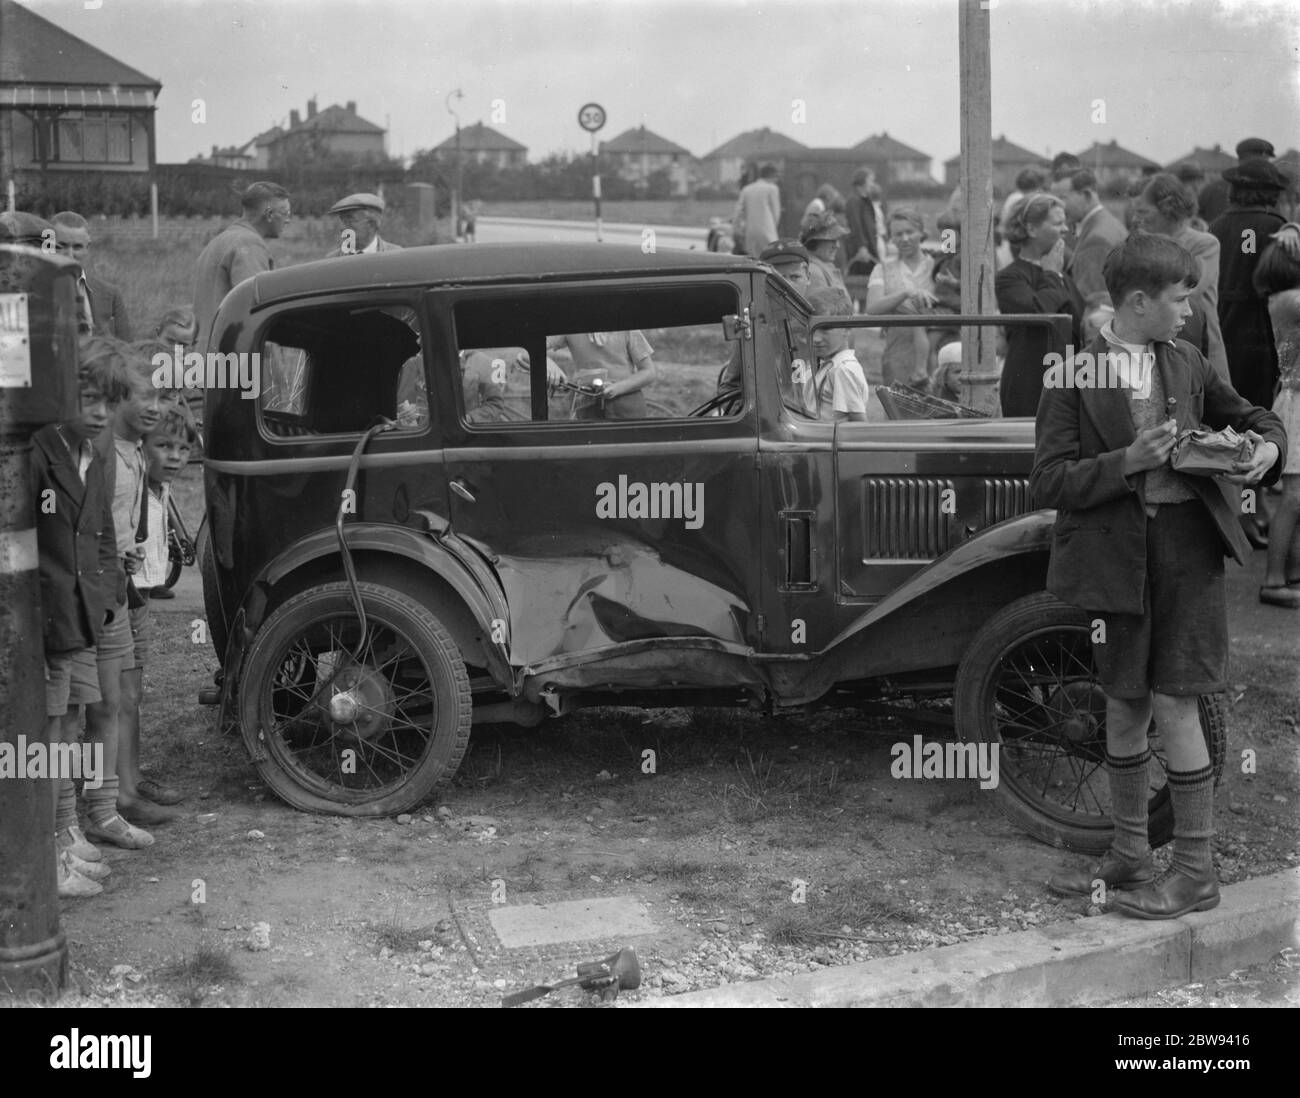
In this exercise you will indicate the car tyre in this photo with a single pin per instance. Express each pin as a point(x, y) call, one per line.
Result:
point(409, 696)
point(1028, 684)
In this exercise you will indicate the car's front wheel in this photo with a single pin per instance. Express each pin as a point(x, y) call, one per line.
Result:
point(1028, 685)
point(353, 724)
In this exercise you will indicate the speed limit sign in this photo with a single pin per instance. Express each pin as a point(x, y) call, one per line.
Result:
point(591, 117)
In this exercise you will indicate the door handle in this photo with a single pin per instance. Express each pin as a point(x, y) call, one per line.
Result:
point(462, 489)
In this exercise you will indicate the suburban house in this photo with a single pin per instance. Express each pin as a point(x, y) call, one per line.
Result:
point(893, 161)
point(259, 148)
point(480, 144)
point(1009, 160)
point(638, 153)
point(1114, 164)
point(1213, 162)
point(723, 166)
point(66, 106)
point(336, 132)
point(232, 157)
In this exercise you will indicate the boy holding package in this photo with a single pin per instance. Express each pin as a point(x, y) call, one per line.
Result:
point(1140, 547)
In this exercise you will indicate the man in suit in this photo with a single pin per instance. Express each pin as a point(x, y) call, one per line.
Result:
point(863, 244)
point(1096, 229)
point(359, 217)
point(107, 310)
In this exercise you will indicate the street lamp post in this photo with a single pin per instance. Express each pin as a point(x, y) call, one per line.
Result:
point(460, 172)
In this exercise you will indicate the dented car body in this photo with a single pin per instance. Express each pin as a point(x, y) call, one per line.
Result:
point(409, 533)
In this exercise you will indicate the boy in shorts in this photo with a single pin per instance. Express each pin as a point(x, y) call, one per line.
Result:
point(1140, 548)
point(839, 387)
point(82, 584)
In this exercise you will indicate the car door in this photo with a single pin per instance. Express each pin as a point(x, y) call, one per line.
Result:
point(608, 534)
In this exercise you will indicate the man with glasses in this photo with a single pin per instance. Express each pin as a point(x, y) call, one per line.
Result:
point(108, 313)
point(239, 251)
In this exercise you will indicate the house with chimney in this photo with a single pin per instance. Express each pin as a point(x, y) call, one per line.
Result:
point(638, 153)
point(1114, 165)
point(66, 106)
point(723, 166)
point(337, 132)
point(1009, 160)
point(1213, 162)
point(893, 161)
point(480, 144)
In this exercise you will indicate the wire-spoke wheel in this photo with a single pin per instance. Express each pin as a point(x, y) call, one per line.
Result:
point(349, 724)
point(1029, 685)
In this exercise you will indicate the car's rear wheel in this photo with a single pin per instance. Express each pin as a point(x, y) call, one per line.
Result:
point(370, 736)
point(1028, 684)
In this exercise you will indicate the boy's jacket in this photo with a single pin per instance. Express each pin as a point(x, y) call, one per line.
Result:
point(81, 576)
point(1098, 559)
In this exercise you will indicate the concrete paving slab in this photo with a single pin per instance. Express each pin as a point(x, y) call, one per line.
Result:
point(524, 925)
point(1070, 964)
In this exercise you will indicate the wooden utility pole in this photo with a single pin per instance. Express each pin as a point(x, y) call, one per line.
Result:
point(979, 367)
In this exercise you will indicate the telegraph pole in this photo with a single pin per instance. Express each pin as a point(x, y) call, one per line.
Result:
point(979, 365)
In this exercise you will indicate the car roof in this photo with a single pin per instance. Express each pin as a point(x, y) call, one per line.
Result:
point(458, 263)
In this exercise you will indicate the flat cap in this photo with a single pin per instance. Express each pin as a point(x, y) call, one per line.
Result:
point(785, 251)
point(360, 201)
point(19, 227)
point(1254, 146)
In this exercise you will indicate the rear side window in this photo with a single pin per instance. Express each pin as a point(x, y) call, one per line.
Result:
point(335, 369)
point(596, 353)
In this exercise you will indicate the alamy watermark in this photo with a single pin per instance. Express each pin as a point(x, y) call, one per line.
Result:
point(919, 759)
point(62, 761)
point(1108, 370)
point(181, 369)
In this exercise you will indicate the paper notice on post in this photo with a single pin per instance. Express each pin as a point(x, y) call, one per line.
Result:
point(15, 342)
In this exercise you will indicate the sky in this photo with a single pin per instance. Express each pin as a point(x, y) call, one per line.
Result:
point(1169, 74)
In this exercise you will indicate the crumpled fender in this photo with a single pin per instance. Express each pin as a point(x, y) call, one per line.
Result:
point(455, 563)
point(1024, 534)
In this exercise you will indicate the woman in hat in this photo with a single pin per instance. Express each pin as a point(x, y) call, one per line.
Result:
point(821, 236)
point(904, 284)
point(1243, 229)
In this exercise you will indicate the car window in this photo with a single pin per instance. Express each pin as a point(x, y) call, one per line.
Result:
point(335, 369)
point(786, 328)
point(596, 354)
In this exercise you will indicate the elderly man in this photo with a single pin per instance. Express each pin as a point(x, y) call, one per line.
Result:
point(359, 218)
point(108, 313)
point(1096, 229)
point(239, 251)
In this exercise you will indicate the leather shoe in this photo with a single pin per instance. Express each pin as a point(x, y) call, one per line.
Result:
point(1117, 872)
point(1170, 895)
point(145, 813)
point(154, 791)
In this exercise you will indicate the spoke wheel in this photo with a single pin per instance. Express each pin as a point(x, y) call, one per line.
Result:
point(1028, 684)
point(370, 736)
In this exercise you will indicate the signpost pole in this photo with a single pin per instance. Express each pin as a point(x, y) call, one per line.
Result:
point(595, 185)
point(979, 366)
point(591, 117)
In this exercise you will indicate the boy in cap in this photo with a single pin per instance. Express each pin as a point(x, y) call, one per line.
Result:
point(1140, 548)
point(792, 262)
point(360, 216)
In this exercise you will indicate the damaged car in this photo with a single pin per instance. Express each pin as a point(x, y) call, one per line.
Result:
point(433, 516)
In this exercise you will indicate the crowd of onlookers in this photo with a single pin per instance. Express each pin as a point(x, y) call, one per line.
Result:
point(1053, 235)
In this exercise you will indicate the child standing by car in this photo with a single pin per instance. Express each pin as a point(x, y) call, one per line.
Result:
point(1141, 547)
point(839, 387)
point(82, 598)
